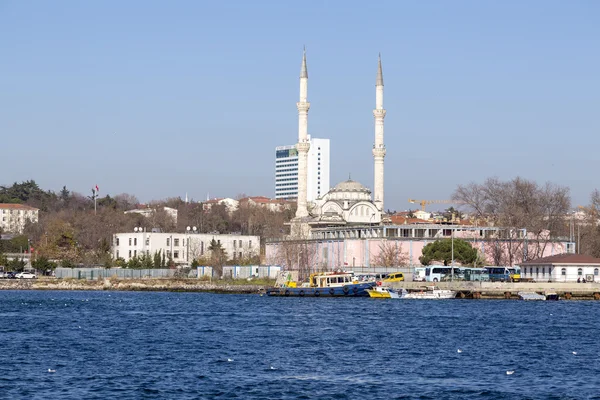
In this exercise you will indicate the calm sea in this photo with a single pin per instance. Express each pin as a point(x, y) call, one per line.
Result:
point(100, 345)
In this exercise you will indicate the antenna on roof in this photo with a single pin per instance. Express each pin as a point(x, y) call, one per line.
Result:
point(349, 176)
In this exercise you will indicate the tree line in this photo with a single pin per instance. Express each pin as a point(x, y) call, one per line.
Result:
point(70, 230)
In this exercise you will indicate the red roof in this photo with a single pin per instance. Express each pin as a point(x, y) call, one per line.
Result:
point(401, 220)
point(11, 206)
point(564, 259)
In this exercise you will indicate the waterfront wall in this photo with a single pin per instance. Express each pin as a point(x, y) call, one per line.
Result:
point(162, 285)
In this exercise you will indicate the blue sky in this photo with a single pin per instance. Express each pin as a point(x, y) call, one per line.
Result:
point(159, 98)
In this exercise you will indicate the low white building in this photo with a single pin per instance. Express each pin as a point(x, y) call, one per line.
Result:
point(14, 216)
point(420, 214)
point(562, 268)
point(148, 211)
point(230, 204)
point(183, 248)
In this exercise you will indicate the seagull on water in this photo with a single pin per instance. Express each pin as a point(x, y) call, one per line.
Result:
point(510, 372)
point(574, 353)
point(459, 351)
point(229, 359)
point(51, 370)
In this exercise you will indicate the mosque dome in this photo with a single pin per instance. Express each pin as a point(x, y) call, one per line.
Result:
point(350, 186)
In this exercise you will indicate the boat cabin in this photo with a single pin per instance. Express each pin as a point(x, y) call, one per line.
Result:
point(331, 279)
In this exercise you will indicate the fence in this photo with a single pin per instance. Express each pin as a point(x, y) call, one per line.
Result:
point(123, 273)
point(232, 272)
point(243, 271)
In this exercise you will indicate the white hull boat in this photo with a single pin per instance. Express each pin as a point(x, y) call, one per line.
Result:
point(431, 292)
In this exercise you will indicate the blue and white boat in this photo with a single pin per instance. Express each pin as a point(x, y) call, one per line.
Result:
point(325, 284)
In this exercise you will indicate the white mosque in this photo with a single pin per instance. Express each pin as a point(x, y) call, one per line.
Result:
point(349, 202)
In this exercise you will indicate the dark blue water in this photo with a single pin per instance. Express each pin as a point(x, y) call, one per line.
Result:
point(195, 345)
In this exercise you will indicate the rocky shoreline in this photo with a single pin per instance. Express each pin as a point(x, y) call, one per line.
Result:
point(140, 285)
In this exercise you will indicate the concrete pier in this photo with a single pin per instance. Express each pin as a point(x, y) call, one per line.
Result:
point(509, 290)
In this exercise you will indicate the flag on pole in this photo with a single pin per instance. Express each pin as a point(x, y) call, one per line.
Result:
point(97, 190)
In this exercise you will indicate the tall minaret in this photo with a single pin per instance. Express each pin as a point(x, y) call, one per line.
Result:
point(303, 143)
point(378, 146)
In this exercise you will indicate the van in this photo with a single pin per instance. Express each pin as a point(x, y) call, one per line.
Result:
point(394, 277)
point(370, 276)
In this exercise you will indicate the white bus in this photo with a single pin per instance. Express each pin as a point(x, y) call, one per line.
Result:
point(437, 273)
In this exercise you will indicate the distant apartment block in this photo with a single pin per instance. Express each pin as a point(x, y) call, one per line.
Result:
point(14, 216)
point(286, 170)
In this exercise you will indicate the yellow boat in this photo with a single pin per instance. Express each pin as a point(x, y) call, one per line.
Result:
point(382, 292)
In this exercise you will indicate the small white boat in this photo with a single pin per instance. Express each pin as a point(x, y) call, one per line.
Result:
point(429, 292)
point(531, 296)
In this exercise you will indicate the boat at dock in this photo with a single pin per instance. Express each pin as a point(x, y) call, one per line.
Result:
point(324, 284)
point(531, 296)
point(382, 292)
point(428, 292)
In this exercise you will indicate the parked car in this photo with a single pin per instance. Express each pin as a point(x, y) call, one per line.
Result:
point(9, 275)
point(25, 275)
point(394, 277)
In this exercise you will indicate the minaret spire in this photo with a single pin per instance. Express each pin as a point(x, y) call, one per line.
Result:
point(378, 146)
point(303, 70)
point(379, 73)
point(303, 143)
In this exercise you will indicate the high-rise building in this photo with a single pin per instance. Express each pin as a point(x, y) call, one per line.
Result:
point(286, 170)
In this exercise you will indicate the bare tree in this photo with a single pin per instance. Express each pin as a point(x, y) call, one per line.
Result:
point(390, 255)
point(521, 207)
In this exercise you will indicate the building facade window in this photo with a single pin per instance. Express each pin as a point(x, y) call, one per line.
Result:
point(130, 241)
point(168, 241)
point(135, 241)
point(129, 253)
point(563, 271)
point(240, 244)
point(117, 242)
point(176, 254)
point(596, 271)
point(249, 244)
point(240, 255)
point(579, 271)
point(176, 242)
point(117, 253)
point(135, 253)
point(147, 241)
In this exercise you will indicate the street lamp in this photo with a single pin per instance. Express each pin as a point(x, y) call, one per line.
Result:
point(299, 253)
point(452, 251)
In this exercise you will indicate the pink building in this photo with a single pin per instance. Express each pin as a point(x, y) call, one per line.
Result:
point(358, 247)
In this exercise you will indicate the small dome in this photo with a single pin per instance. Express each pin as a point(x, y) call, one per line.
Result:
point(350, 186)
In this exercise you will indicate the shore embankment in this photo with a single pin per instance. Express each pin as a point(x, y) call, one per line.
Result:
point(510, 290)
point(142, 285)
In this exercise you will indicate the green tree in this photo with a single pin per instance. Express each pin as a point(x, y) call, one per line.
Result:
point(43, 264)
point(218, 257)
point(156, 259)
point(441, 250)
point(16, 265)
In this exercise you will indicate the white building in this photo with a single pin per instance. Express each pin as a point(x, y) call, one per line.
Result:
point(14, 216)
point(230, 204)
point(562, 268)
point(286, 170)
point(183, 248)
point(147, 212)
